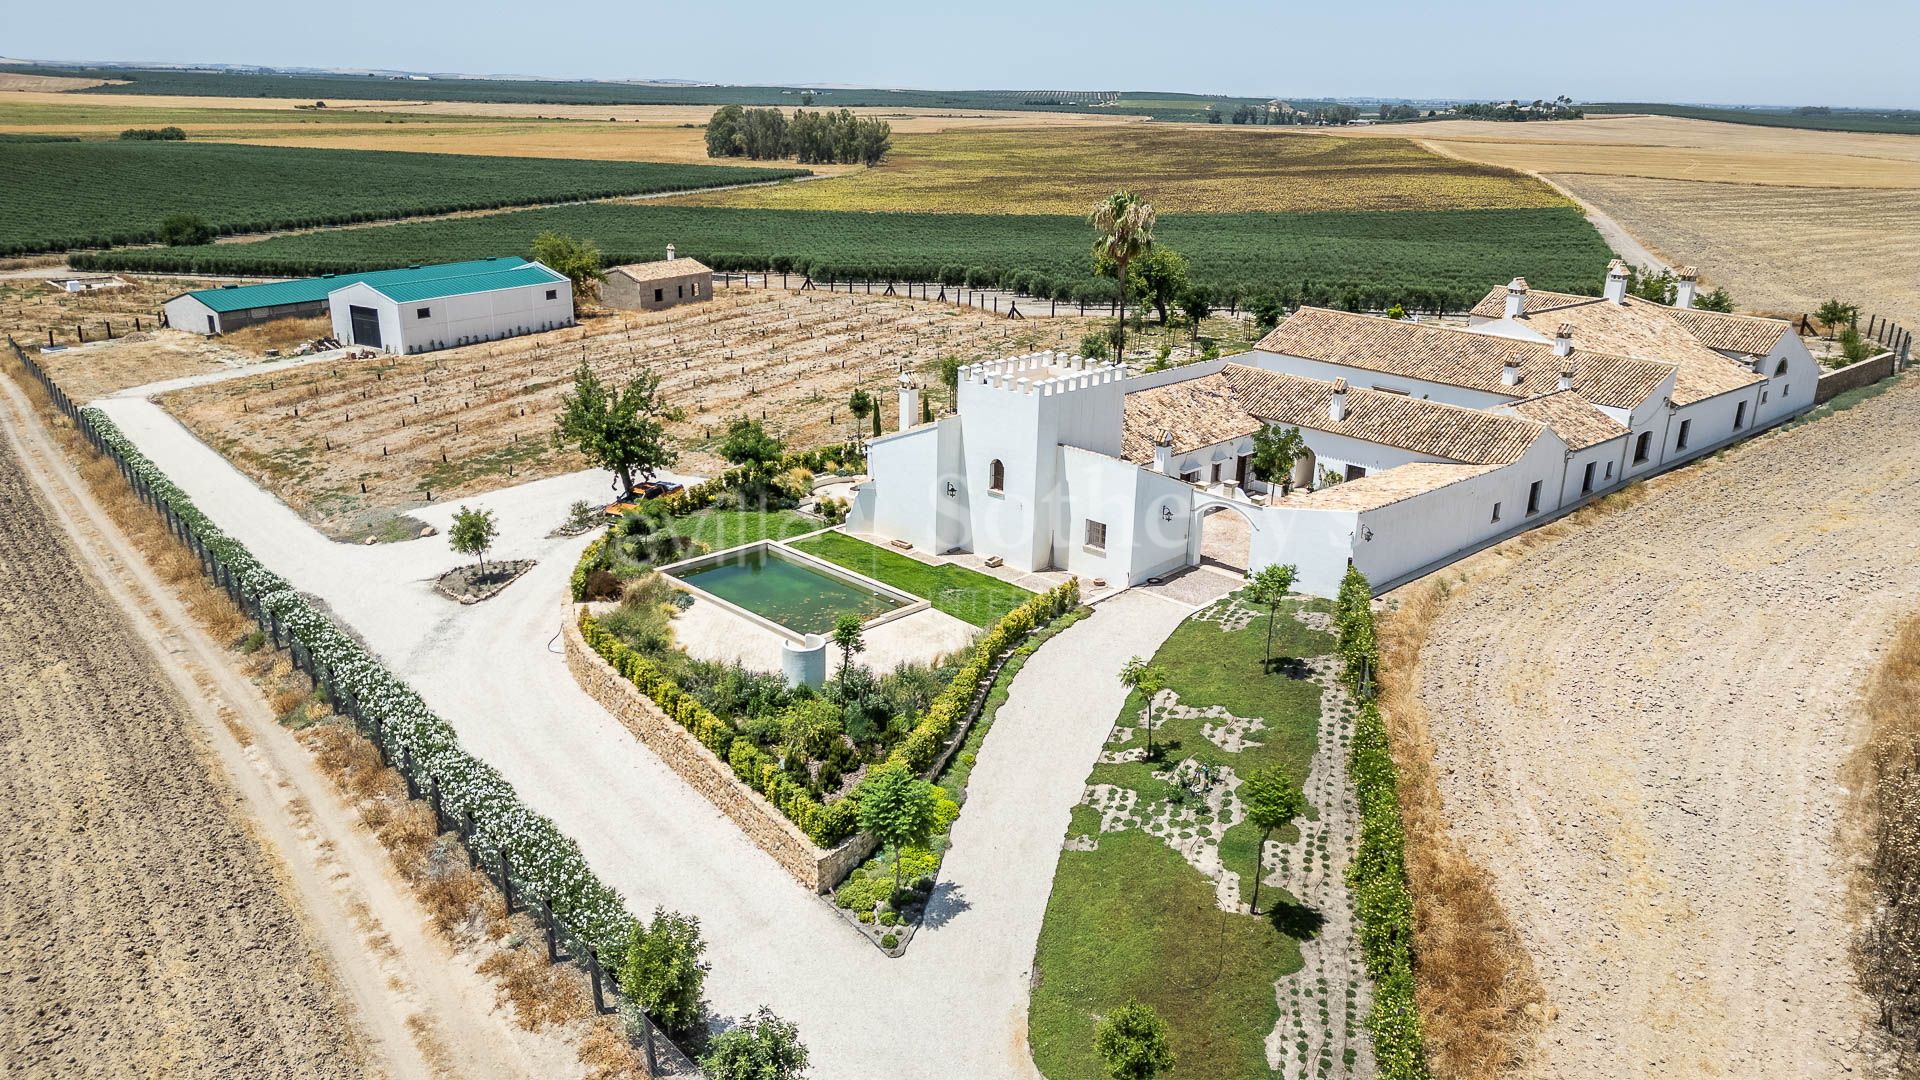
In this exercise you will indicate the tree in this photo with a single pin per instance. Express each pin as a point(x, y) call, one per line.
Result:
point(473, 534)
point(1718, 300)
point(185, 230)
point(860, 403)
point(578, 259)
point(848, 638)
point(1158, 276)
point(763, 1048)
point(1137, 674)
point(723, 132)
point(747, 443)
point(1268, 586)
point(1273, 801)
point(1833, 313)
point(662, 971)
point(1125, 227)
point(1275, 450)
point(898, 808)
point(1196, 303)
point(1267, 310)
point(1647, 285)
point(1132, 1042)
point(621, 431)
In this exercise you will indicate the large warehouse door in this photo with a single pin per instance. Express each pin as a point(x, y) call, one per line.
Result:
point(366, 326)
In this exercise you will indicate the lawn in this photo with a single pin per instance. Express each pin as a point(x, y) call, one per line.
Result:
point(965, 594)
point(1132, 918)
point(1222, 169)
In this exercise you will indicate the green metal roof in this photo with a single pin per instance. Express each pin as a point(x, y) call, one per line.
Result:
point(309, 290)
point(460, 285)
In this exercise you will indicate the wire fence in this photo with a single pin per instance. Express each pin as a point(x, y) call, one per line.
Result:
point(564, 944)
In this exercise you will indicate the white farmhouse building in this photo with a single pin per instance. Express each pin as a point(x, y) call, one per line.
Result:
point(1423, 442)
point(423, 313)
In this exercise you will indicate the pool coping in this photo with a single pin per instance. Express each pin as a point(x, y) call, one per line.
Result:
point(910, 604)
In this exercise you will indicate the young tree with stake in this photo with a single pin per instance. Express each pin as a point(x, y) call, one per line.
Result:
point(473, 534)
point(898, 808)
point(1137, 674)
point(1268, 586)
point(849, 639)
point(1273, 801)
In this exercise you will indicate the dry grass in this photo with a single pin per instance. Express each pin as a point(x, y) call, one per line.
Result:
point(48, 84)
point(1885, 775)
point(282, 334)
point(1191, 169)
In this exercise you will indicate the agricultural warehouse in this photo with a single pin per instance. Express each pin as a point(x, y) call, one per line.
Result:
point(651, 286)
point(230, 307)
point(405, 311)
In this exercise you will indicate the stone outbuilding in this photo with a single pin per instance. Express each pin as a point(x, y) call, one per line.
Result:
point(654, 286)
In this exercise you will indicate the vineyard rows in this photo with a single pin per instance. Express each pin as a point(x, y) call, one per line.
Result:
point(1419, 258)
point(119, 192)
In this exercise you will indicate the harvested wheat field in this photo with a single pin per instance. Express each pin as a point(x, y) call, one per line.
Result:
point(1642, 725)
point(143, 930)
point(1781, 249)
point(467, 420)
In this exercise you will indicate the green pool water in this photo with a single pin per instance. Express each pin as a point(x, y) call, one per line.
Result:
point(775, 587)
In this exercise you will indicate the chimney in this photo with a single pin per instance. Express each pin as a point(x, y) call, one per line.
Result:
point(1563, 340)
point(1337, 404)
point(1683, 291)
point(1516, 298)
point(909, 402)
point(1163, 453)
point(669, 252)
point(1566, 376)
point(1510, 374)
point(1617, 281)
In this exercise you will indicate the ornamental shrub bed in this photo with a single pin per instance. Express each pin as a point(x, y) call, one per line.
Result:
point(548, 861)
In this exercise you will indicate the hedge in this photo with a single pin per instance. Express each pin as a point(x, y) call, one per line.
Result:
point(546, 859)
point(828, 824)
point(1378, 873)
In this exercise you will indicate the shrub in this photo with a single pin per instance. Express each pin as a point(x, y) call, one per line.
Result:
point(764, 1048)
point(185, 230)
point(662, 970)
point(1132, 1043)
point(890, 941)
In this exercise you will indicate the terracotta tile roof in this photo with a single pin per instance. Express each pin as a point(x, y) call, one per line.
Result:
point(1423, 427)
point(1571, 417)
point(1748, 334)
point(1459, 357)
point(1375, 490)
point(661, 268)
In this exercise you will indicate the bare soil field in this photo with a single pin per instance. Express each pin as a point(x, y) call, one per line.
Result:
point(143, 930)
point(1781, 249)
point(462, 421)
point(1642, 728)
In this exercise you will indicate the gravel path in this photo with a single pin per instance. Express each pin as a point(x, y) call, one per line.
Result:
point(1641, 732)
point(493, 671)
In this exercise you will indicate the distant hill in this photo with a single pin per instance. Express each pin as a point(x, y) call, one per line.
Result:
point(1892, 121)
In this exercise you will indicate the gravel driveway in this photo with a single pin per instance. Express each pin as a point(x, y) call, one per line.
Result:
point(1642, 729)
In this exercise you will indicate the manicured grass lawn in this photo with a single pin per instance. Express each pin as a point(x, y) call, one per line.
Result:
point(965, 594)
point(720, 529)
point(1133, 919)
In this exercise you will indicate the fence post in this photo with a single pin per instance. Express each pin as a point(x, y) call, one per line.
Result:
point(553, 935)
point(599, 996)
point(506, 880)
point(466, 837)
point(433, 800)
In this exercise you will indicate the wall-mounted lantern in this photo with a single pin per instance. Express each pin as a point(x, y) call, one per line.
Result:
point(952, 492)
point(1166, 514)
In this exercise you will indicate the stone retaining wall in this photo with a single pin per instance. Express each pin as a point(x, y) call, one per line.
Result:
point(760, 820)
point(1854, 376)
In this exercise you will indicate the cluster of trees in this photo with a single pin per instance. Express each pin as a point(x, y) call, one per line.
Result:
point(1315, 114)
point(1662, 287)
point(812, 138)
point(165, 134)
point(1560, 108)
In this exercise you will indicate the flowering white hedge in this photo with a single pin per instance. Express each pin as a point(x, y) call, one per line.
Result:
point(544, 859)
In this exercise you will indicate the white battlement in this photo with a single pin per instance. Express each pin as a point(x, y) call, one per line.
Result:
point(1043, 373)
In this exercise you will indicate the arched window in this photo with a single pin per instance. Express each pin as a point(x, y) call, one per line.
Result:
point(996, 475)
point(1780, 369)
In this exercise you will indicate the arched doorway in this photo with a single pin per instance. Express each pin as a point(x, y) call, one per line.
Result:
point(1222, 540)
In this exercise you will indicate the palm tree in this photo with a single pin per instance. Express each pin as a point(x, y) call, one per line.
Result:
point(1125, 225)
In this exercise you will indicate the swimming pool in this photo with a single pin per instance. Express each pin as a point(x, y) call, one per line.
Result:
point(787, 590)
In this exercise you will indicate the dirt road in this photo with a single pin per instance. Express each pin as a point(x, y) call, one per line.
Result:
point(1641, 732)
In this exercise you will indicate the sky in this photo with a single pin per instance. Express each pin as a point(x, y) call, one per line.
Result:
point(1838, 52)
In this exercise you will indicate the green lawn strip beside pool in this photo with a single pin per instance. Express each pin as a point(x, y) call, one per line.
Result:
point(1132, 919)
point(965, 594)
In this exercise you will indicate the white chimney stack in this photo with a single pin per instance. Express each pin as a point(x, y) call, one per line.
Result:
point(1566, 376)
point(1510, 374)
point(1563, 340)
point(1337, 405)
point(669, 252)
point(1163, 453)
point(909, 402)
point(1516, 298)
point(1617, 281)
point(1683, 291)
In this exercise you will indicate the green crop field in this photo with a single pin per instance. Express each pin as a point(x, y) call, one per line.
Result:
point(91, 194)
point(1411, 257)
point(1891, 121)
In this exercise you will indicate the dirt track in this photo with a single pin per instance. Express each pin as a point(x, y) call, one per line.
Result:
point(143, 931)
point(1642, 729)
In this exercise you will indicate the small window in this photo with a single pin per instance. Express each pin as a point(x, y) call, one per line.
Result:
point(996, 476)
point(1586, 479)
point(423, 313)
point(1786, 390)
point(1643, 448)
point(1609, 470)
point(1533, 499)
point(1355, 472)
point(1764, 394)
point(1216, 472)
point(1686, 429)
point(1097, 534)
point(1780, 369)
point(695, 287)
point(1740, 416)
point(659, 295)
point(553, 294)
point(680, 292)
point(1191, 477)
point(1496, 511)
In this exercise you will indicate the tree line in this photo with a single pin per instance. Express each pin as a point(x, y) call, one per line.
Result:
point(811, 138)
